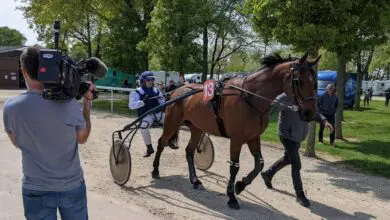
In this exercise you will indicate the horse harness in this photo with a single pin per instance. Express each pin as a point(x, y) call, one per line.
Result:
point(247, 96)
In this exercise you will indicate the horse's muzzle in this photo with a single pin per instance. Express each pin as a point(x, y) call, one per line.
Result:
point(307, 115)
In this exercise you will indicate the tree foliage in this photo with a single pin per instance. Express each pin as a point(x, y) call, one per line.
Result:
point(172, 31)
point(11, 37)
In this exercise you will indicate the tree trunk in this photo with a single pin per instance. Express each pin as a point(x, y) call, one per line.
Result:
point(148, 6)
point(359, 80)
point(341, 62)
point(205, 53)
point(98, 42)
point(360, 73)
point(89, 43)
point(311, 135)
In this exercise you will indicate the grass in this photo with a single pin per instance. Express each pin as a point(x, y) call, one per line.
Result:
point(120, 107)
point(366, 144)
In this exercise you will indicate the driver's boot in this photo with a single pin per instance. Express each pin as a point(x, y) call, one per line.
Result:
point(149, 150)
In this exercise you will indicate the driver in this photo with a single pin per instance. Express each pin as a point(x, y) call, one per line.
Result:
point(145, 98)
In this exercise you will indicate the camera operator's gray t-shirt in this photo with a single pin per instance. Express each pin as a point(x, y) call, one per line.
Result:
point(45, 132)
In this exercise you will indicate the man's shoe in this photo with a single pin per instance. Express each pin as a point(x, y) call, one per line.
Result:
point(149, 151)
point(172, 146)
point(267, 179)
point(302, 200)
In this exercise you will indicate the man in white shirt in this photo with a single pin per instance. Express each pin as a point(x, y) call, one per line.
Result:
point(145, 98)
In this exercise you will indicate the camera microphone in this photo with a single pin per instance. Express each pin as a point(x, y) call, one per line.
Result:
point(94, 66)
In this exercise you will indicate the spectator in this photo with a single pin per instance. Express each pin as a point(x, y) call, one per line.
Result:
point(182, 81)
point(387, 96)
point(367, 97)
point(162, 88)
point(171, 86)
point(126, 84)
point(327, 105)
point(371, 91)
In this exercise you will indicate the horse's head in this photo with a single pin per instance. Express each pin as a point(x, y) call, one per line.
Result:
point(301, 86)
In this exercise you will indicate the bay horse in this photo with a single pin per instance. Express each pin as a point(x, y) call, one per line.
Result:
point(244, 113)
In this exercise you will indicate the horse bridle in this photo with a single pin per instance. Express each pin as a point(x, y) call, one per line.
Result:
point(295, 85)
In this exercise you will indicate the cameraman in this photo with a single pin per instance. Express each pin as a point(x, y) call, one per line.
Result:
point(48, 133)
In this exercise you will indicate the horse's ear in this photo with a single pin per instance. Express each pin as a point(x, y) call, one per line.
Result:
point(303, 59)
point(315, 61)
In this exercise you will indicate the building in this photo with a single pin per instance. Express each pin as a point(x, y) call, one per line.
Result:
point(10, 74)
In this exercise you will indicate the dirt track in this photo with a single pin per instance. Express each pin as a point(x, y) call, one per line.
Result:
point(335, 193)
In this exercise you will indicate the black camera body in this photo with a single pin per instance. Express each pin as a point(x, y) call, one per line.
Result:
point(63, 77)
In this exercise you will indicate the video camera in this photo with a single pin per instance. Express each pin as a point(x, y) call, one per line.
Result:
point(63, 77)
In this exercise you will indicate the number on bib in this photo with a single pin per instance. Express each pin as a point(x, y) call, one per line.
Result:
point(208, 90)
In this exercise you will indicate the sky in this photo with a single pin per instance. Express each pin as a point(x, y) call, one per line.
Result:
point(13, 18)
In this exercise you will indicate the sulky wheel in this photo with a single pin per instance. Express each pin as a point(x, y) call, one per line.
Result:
point(120, 171)
point(204, 154)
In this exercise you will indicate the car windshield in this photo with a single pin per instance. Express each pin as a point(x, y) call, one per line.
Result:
point(323, 84)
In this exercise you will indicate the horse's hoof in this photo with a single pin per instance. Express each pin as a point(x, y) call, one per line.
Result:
point(233, 204)
point(240, 186)
point(155, 174)
point(198, 185)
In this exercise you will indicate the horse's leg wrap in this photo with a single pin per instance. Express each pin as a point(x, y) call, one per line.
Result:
point(191, 168)
point(259, 164)
point(156, 162)
point(234, 168)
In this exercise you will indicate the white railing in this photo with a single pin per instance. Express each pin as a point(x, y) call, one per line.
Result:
point(112, 89)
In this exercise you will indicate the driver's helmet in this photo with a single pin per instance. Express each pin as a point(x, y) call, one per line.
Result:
point(147, 75)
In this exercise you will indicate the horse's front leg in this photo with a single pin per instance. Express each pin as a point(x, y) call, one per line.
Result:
point(235, 150)
point(255, 148)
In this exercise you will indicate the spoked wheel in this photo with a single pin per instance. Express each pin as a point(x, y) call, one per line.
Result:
point(121, 170)
point(204, 154)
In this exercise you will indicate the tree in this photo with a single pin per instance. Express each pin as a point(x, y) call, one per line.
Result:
point(121, 43)
point(11, 37)
point(171, 33)
point(363, 61)
point(230, 31)
point(304, 28)
point(380, 59)
point(356, 32)
point(80, 21)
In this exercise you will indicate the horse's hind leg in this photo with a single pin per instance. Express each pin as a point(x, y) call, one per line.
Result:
point(196, 135)
point(254, 147)
point(235, 150)
point(172, 123)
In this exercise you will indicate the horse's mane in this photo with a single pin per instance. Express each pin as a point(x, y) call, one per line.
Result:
point(268, 61)
point(275, 59)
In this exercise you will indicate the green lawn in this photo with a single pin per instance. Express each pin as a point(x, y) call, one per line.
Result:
point(120, 107)
point(367, 139)
point(367, 134)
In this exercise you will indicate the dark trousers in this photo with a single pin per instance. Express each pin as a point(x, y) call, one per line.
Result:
point(331, 120)
point(366, 101)
point(291, 156)
point(387, 101)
